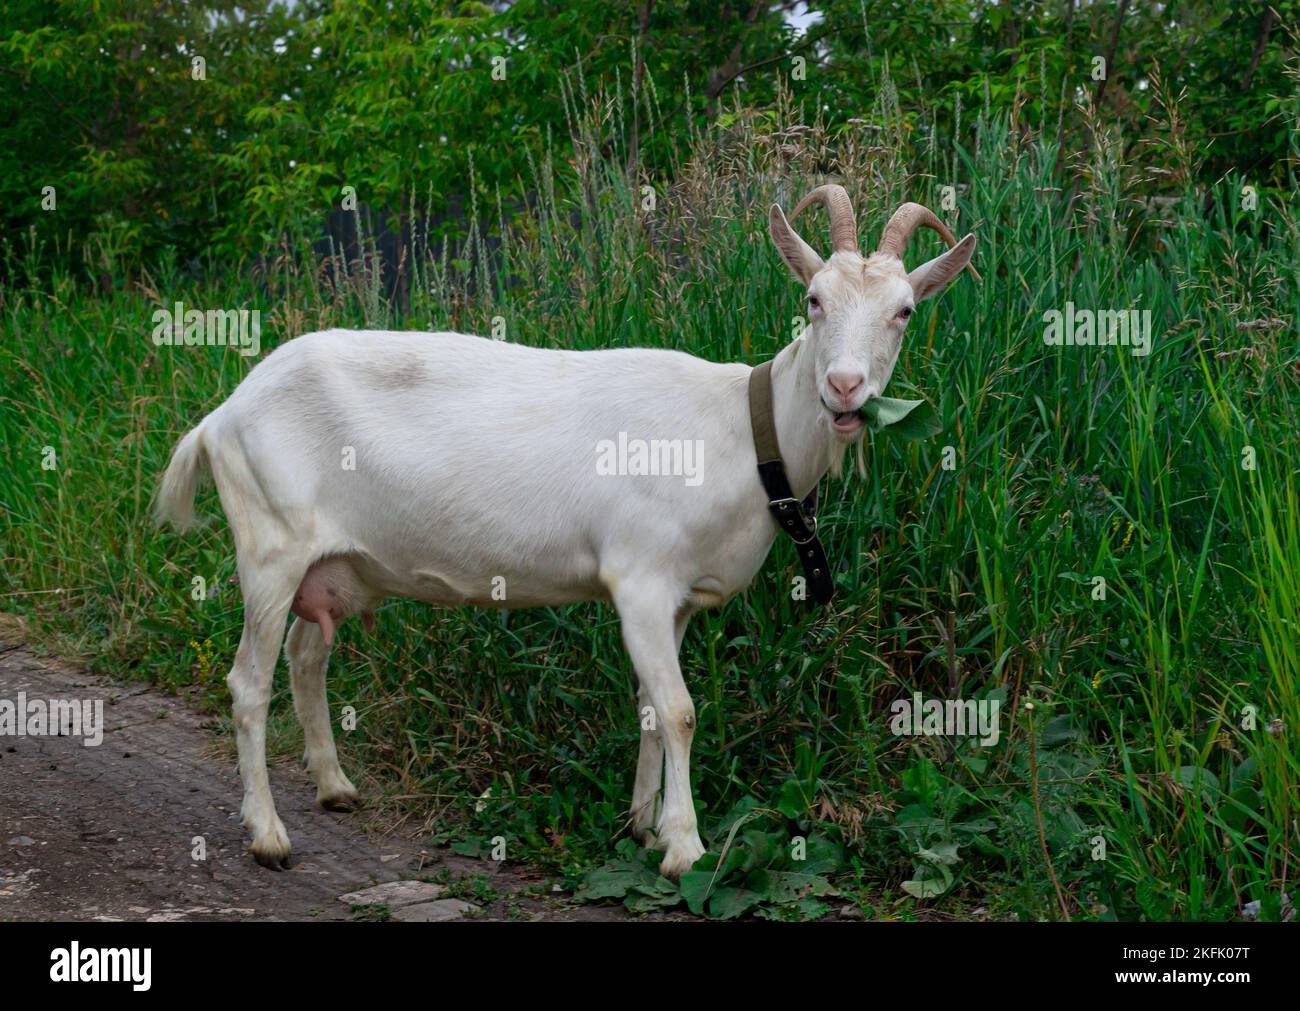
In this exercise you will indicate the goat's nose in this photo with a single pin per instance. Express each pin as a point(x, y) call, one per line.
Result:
point(845, 384)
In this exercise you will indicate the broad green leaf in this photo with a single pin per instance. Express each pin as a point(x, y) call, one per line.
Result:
point(789, 886)
point(909, 419)
point(728, 903)
point(1198, 780)
point(695, 889)
point(823, 856)
point(792, 803)
point(940, 853)
point(928, 881)
point(608, 882)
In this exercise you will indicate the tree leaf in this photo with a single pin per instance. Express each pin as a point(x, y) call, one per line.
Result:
point(909, 419)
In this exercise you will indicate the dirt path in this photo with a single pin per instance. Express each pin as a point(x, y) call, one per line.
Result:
point(108, 832)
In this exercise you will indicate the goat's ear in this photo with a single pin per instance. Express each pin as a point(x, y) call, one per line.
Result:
point(932, 277)
point(797, 254)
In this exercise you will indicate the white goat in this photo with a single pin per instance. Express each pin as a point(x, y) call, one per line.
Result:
point(473, 468)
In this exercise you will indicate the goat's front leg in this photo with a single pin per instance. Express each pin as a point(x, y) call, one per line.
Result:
point(651, 637)
point(650, 757)
point(649, 772)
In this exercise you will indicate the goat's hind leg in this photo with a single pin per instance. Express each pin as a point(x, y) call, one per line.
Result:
point(268, 591)
point(308, 657)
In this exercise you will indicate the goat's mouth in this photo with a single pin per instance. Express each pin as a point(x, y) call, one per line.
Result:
point(845, 422)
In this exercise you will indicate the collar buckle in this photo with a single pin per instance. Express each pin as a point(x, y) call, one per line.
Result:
point(792, 517)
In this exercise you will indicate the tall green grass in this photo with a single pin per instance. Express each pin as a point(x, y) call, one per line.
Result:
point(1070, 463)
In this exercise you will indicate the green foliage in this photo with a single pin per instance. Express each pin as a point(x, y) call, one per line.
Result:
point(411, 101)
point(101, 104)
point(752, 867)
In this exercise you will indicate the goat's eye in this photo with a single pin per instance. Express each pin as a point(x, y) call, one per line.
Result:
point(904, 312)
point(814, 302)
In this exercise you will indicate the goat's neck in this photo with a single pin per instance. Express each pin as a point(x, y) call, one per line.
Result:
point(806, 441)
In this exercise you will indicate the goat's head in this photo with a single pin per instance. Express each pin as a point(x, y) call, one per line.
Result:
point(858, 306)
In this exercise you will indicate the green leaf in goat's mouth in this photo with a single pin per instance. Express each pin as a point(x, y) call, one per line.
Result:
point(909, 419)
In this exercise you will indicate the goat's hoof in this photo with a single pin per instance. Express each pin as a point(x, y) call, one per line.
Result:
point(343, 802)
point(645, 835)
point(271, 857)
point(335, 792)
point(271, 862)
point(680, 856)
point(272, 849)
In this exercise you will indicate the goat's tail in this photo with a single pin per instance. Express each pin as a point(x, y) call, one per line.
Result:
point(175, 502)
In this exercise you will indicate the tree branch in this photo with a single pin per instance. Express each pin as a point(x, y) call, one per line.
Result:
point(1265, 29)
point(1110, 54)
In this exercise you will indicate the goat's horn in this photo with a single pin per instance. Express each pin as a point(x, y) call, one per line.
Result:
point(906, 220)
point(844, 228)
